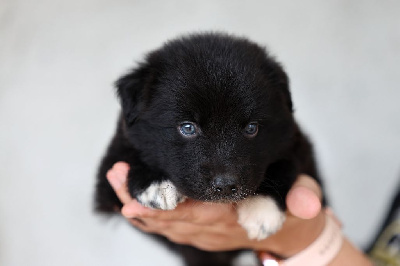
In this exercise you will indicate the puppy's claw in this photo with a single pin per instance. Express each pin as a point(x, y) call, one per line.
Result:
point(260, 216)
point(161, 195)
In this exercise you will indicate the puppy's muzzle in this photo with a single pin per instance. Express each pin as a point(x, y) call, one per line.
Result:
point(225, 185)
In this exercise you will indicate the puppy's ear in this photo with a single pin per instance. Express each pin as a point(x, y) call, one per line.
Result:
point(283, 84)
point(280, 80)
point(130, 91)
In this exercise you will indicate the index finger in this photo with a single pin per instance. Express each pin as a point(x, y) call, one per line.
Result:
point(117, 177)
point(188, 211)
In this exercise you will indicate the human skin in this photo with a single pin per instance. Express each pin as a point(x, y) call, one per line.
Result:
point(214, 227)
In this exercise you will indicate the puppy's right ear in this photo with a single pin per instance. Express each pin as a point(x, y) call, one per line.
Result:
point(130, 88)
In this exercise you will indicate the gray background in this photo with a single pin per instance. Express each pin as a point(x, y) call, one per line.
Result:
point(58, 60)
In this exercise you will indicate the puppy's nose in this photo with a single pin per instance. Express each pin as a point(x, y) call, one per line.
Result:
point(225, 184)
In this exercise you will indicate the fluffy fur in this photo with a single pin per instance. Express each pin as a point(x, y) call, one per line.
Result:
point(208, 117)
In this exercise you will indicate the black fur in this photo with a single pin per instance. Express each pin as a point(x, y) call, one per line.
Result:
point(221, 83)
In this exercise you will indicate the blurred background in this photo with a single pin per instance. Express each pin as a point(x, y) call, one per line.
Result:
point(59, 59)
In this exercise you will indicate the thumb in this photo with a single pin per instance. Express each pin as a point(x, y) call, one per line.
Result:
point(304, 198)
point(117, 177)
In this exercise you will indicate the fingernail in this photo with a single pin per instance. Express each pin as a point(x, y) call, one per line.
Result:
point(135, 210)
point(115, 180)
point(121, 173)
point(129, 212)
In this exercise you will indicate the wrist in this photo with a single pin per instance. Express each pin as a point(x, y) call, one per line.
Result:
point(350, 255)
point(321, 251)
point(295, 236)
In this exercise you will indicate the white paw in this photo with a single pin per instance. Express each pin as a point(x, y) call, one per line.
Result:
point(162, 195)
point(260, 216)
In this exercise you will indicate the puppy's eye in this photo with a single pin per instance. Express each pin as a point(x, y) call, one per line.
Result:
point(251, 129)
point(188, 129)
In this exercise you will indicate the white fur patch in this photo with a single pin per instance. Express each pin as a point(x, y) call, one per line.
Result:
point(162, 195)
point(260, 216)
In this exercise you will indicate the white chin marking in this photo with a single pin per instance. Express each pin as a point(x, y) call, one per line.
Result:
point(161, 195)
point(260, 216)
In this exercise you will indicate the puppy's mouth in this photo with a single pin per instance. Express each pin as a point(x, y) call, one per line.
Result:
point(215, 194)
point(222, 188)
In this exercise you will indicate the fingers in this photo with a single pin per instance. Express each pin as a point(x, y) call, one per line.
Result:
point(202, 224)
point(303, 201)
point(117, 177)
point(199, 212)
point(211, 237)
point(304, 198)
point(189, 211)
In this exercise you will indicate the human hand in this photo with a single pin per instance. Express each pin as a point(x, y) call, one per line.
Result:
point(214, 227)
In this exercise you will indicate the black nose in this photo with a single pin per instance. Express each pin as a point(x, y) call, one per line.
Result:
point(225, 185)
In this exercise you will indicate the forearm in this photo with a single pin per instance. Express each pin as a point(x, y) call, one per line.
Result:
point(310, 240)
point(350, 255)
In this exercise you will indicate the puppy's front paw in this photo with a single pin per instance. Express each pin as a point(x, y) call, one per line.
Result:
point(260, 216)
point(161, 195)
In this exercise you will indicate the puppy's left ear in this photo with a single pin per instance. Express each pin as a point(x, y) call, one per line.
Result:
point(280, 80)
point(131, 90)
point(283, 84)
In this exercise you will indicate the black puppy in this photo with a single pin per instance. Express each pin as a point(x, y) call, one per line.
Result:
point(208, 117)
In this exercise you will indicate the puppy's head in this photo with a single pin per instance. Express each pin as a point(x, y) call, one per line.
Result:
point(210, 112)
